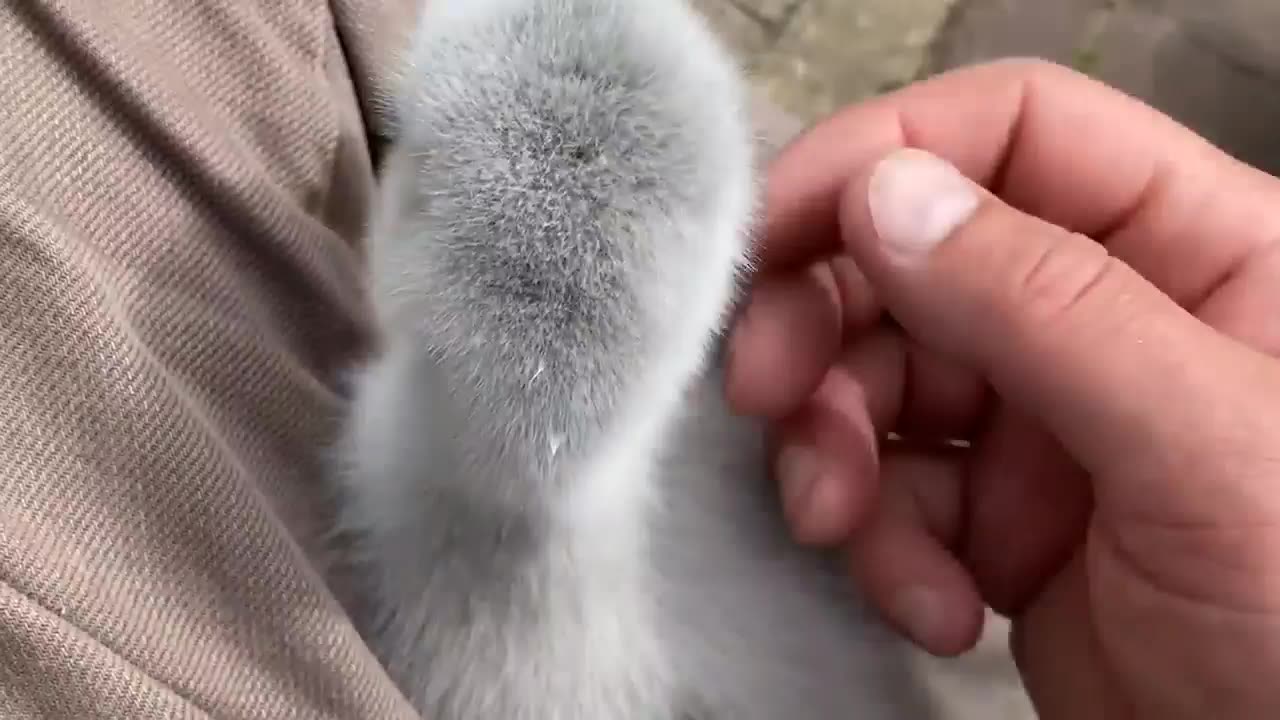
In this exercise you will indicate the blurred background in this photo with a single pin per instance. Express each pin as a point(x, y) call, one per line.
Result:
point(1212, 64)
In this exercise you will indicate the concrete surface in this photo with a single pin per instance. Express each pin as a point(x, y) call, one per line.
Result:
point(812, 56)
point(1212, 64)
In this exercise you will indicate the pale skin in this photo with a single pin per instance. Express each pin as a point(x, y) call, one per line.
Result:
point(1094, 306)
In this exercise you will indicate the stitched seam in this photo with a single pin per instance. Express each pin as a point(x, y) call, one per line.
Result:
point(99, 642)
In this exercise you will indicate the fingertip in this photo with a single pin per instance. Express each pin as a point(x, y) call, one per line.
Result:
point(921, 591)
point(825, 514)
point(944, 621)
point(829, 471)
point(781, 345)
point(918, 585)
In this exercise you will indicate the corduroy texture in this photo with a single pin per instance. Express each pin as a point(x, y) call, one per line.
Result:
point(182, 188)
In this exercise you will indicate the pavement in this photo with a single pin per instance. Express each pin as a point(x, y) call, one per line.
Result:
point(1214, 65)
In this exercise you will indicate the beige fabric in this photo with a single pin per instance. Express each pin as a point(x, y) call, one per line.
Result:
point(181, 187)
point(181, 191)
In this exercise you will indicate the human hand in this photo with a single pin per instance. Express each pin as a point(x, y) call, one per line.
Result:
point(1120, 495)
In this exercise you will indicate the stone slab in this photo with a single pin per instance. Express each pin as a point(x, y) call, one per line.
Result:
point(835, 52)
point(775, 12)
point(1214, 66)
point(745, 35)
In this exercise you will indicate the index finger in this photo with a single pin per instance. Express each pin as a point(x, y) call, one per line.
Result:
point(1051, 142)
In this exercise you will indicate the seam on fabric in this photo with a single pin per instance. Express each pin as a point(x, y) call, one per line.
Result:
point(99, 642)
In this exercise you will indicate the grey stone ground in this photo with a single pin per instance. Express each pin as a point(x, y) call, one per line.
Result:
point(1212, 64)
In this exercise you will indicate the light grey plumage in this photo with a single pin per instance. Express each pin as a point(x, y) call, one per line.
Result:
point(550, 512)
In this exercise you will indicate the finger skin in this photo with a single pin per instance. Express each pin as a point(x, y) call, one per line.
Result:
point(791, 331)
point(1062, 330)
point(1028, 504)
point(878, 382)
point(1116, 290)
point(1059, 655)
point(905, 548)
point(857, 397)
point(941, 400)
point(1195, 222)
point(820, 510)
point(1136, 175)
point(786, 339)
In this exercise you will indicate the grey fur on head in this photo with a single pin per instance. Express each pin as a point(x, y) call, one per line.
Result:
point(550, 512)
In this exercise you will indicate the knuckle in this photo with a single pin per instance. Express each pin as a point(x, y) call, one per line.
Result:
point(1066, 279)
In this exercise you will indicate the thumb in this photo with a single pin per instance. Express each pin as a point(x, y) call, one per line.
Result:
point(1061, 329)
